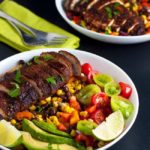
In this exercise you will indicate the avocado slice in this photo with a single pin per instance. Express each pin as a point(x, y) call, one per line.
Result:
point(39, 134)
point(33, 144)
point(61, 147)
point(50, 128)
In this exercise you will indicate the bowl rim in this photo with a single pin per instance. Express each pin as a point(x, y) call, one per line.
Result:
point(61, 11)
point(30, 53)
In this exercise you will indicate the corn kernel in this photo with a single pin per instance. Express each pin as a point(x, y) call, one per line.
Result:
point(145, 19)
point(101, 143)
point(60, 92)
point(40, 119)
point(115, 33)
point(73, 133)
point(32, 108)
point(135, 8)
point(84, 113)
point(127, 5)
point(72, 90)
point(54, 99)
point(78, 87)
point(13, 122)
point(55, 104)
point(48, 121)
point(89, 148)
point(43, 102)
point(54, 120)
point(48, 99)
point(77, 82)
point(39, 116)
point(59, 99)
point(67, 109)
point(148, 24)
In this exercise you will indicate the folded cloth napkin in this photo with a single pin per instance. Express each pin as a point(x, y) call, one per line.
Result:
point(9, 35)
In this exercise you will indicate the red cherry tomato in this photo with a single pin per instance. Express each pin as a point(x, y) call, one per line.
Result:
point(86, 69)
point(76, 19)
point(126, 90)
point(98, 116)
point(100, 99)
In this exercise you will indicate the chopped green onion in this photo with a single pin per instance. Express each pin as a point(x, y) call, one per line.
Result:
point(15, 91)
point(48, 57)
point(109, 12)
point(51, 80)
point(18, 76)
point(36, 59)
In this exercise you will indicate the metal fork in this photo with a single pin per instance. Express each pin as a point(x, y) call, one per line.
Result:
point(33, 37)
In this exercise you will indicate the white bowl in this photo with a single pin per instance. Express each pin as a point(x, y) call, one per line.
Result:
point(99, 36)
point(98, 63)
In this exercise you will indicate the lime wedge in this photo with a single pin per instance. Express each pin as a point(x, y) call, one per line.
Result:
point(111, 128)
point(9, 135)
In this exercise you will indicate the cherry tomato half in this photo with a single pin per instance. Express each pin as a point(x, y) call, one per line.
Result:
point(86, 68)
point(100, 99)
point(98, 116)
point(91, 109)
point(126, 90)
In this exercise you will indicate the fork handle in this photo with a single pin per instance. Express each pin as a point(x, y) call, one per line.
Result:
point(20, 25)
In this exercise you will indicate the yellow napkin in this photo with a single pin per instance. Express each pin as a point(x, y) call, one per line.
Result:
point(9, 35)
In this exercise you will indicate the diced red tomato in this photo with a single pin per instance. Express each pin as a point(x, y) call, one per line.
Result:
point(84, 138)
point(74, 103)
point(76, 19)
point(126, 90)
point(91, 109)
point(62, 127)
point(107, 111)
point(98, 116)
point(86, 69)
point(100, 99)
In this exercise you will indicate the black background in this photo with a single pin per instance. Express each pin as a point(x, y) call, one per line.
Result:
point(134, 59)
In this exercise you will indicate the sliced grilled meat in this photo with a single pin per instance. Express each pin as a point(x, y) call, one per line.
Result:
point(99, 15)
point(76, 66)
point(61, 59)
point(37, 80)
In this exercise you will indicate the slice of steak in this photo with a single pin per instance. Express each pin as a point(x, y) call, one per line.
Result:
point(76, 66)
point(38, 75)
point(28, 95)
point(8, 106)
point(61, 59)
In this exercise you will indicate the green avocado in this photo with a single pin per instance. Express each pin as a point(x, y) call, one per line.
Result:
point(39, 134)
point(61, 147)
point(33, 144)
point(50, 128)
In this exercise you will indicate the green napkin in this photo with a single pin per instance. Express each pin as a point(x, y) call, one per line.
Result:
point(9, 35)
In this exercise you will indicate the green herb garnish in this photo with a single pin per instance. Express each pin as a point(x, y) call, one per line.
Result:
point(116, 5)
point(48, 57)
point(29, 63)
point(15, 91)
point(36, 59)
point(39, 109)
point(109, 12)
point(62, 78)
point(18, 76)
point(116, 12)
point(108, 30)
point(51, 80)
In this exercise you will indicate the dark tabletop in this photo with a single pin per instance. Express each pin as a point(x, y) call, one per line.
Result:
point(134, 59)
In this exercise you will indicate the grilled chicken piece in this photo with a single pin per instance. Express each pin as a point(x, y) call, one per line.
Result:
point(99, 15)
point(38, 80)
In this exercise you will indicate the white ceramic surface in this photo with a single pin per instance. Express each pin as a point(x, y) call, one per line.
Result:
point(99, 36)
point(100, 64)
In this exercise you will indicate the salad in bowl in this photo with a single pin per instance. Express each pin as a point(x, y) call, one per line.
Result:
point(67, 100)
